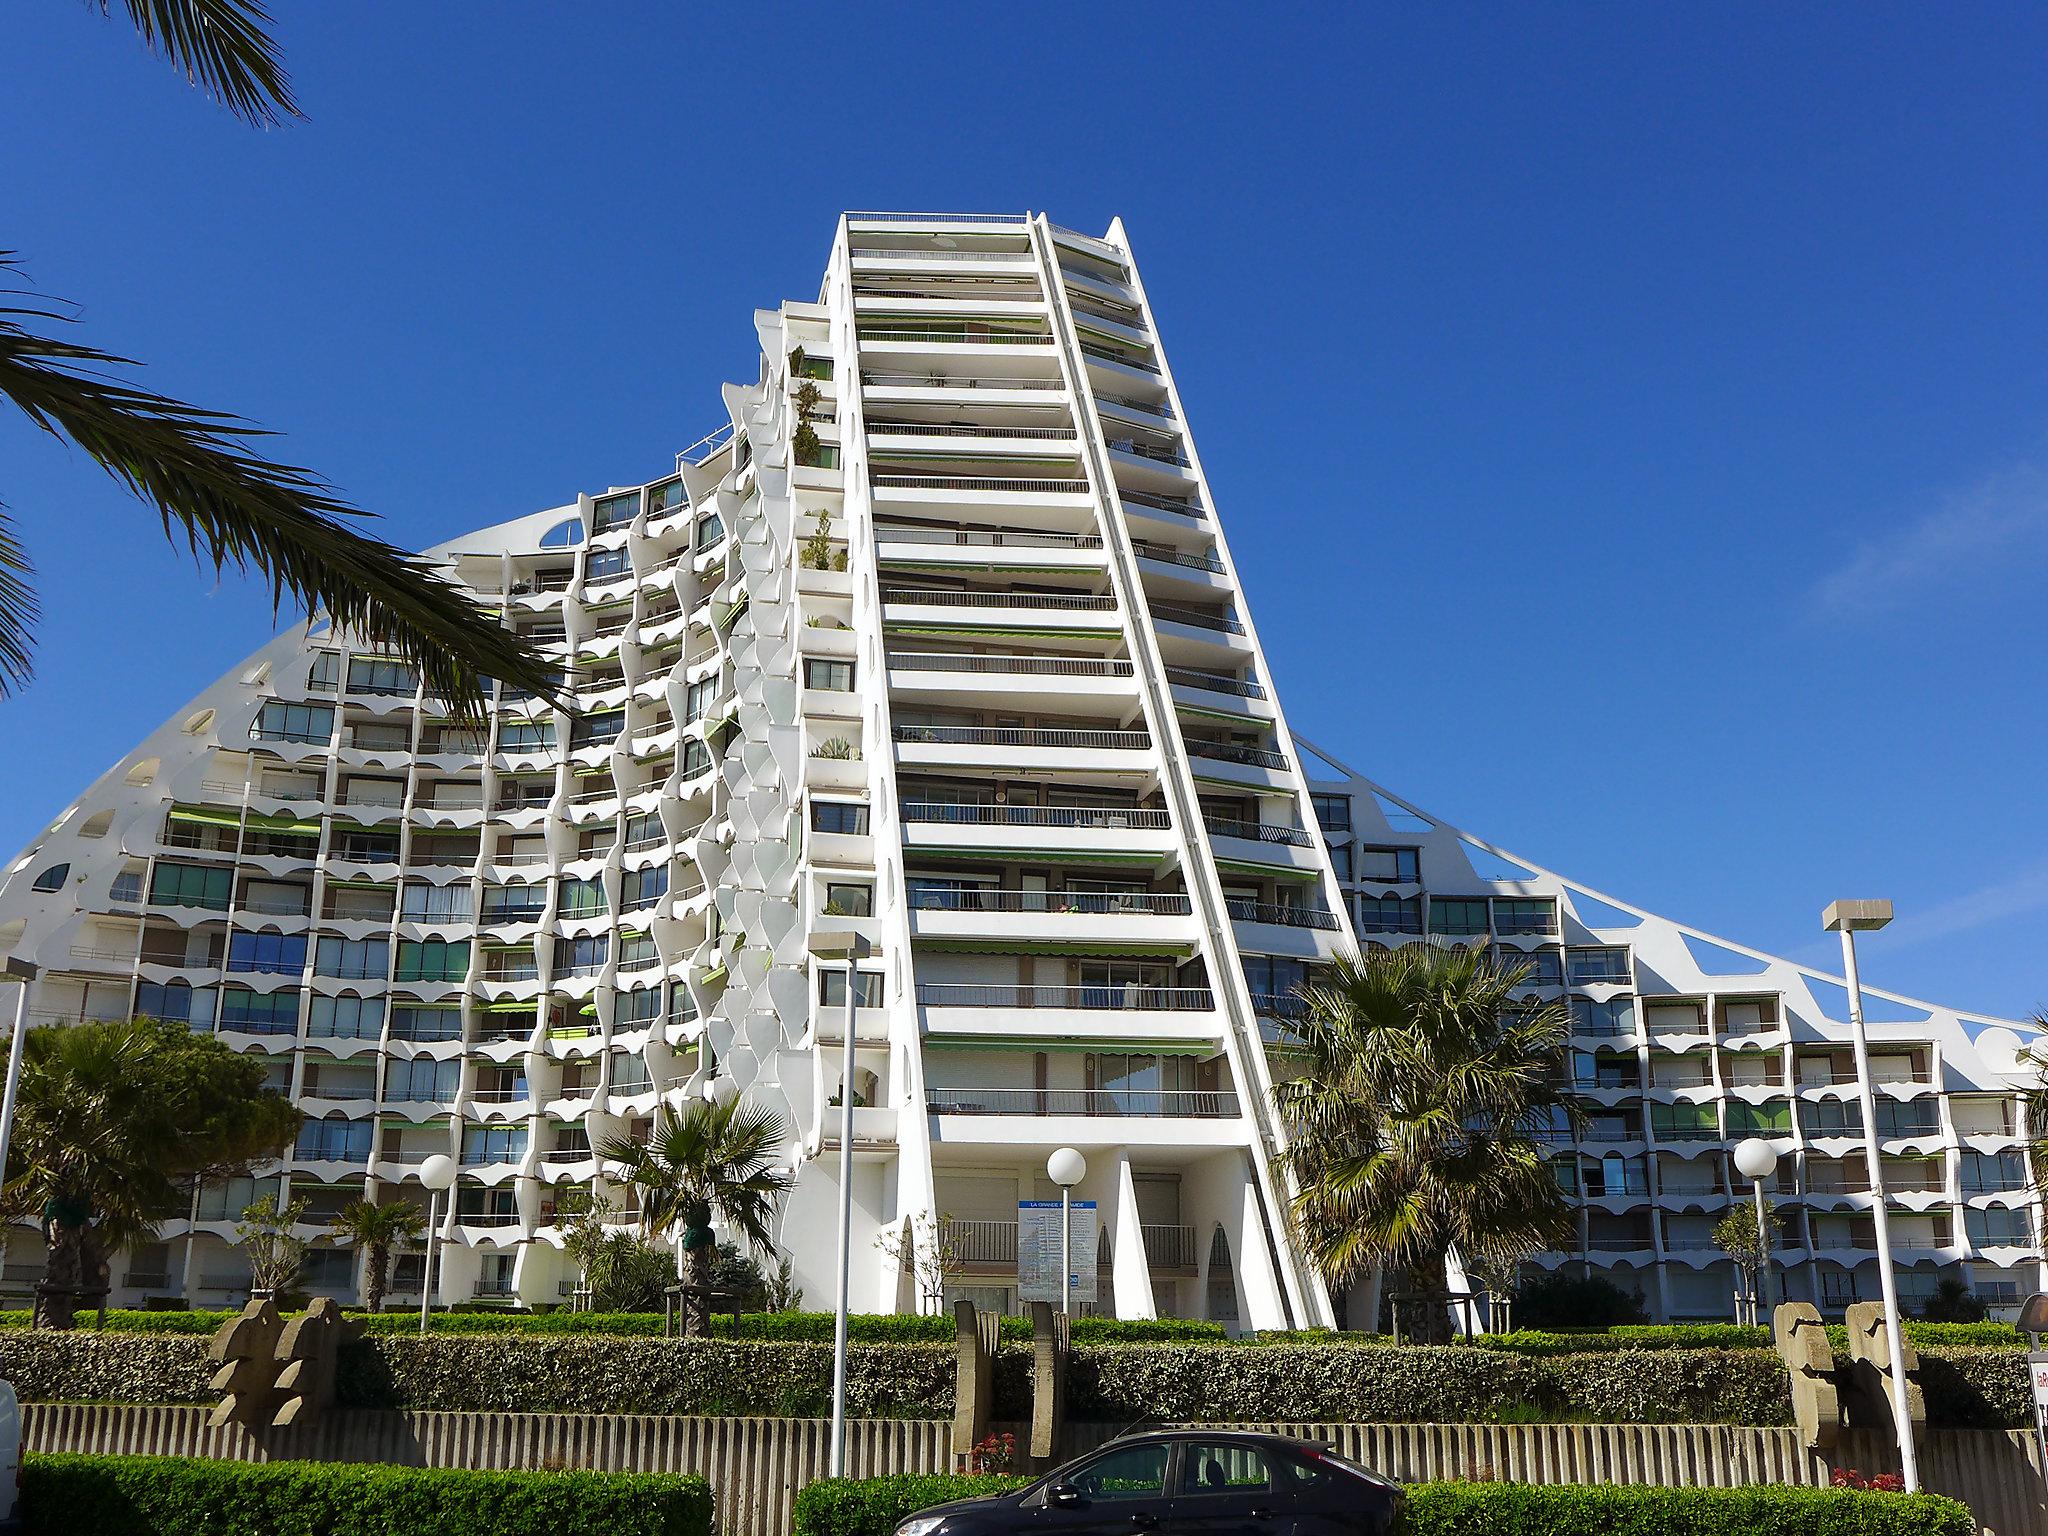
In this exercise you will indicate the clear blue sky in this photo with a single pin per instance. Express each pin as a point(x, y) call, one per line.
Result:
point(1631, 421)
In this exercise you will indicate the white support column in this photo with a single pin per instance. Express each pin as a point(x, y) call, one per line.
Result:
point(1131, 1276)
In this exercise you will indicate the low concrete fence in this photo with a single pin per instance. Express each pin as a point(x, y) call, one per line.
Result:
point(757, 1466)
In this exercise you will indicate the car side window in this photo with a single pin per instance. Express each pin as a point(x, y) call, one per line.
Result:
point(1135, 1472)
point(1223, 1466)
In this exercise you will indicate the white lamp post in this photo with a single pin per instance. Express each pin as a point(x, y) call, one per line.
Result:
point(1756, 1160)
point(843, 944)
point(22, 973)
point(1066, 1168)
point(1848, 918)
point(438, 1174)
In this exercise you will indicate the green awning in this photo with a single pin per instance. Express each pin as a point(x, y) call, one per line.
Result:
point(525, 1007)
point(205, 816)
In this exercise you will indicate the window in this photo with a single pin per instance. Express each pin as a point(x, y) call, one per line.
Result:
point(813, 367)
point(328, 1269)
point(1390, 914)
point(346, 1018)
point(581, 898)
point(710, 530)
point(1333, 812)
point(325, 671)
point(191, 885)
point(514, 903)
point(436, 903)
point(1393, 866)
point(351, 959)
point(1340, 860)
point(1223, 1466)
point(335, 1140)
point(609, 512)
point(846, 900)
point(697, 698)
point(281, 721)
point(596, 730)
point(629, 1074)
point(527, 736)
point(410, 1021)
point(696, 759)
point(1135, 1472)
point(1993, 1172)
point(52, 879)
point(666, 497)
point(834, 676)
point(432, 959)
point(1516, 915)
point(1918, 1117)
point(607, 565)
point(422, 1080)
point(832, 988)
point(1612, 1016)
point(270, 954)
point(848, 817)
point(226, 1200)
point(642, 888)
point(259, 1013)
point(1541, 967)
point(493, 1144)
point(581, 957)
point(1597, 966)
point(378, 674)
point(1759, 1119)
point(1457, 915)
point(640, 1006)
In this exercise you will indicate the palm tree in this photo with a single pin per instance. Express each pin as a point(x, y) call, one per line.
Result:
point(376, 1229)
point(229, 504)
point(113, 1125)
point(714, 1161)
point(1413, 1094)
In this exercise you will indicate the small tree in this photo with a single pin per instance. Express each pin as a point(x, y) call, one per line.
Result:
point(780, 1292)
point(1953, 1302)
point(275, 1255)
point(621, 1272)
point(818, 547)
point(377, 1229)
point(1737, 1236)
point(803, 442)
point(807, 398)
point(929, 1248)
point(1561, 1300)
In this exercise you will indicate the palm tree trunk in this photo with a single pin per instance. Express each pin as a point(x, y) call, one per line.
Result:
point(73, 1264)
point(696, 1296)
point(380, 1263)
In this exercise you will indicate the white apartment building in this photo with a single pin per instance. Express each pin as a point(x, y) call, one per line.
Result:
point(937, 638)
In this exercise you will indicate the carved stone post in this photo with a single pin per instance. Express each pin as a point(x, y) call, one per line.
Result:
point(1809, 1359)
point(975, 1337)
point(1867, 1384)
point(245, 1349)
point(1048, 1382)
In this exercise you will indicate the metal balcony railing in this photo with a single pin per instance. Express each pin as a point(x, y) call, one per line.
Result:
point(1215, 682)
point(1094, 903)
point(989, 538)
point(1023, 666)
point(1231, 752)
point(878, 379)
point(1134, 1103)
point(1023, 736)
point(1145, 450)
point(980, 337)
point(927, 429)
point(1244, 910)
point(946, 597)
point(1123, 359)
point(962, 994)
point(1258, 831)
point(1179, 505)
point(981, 483)
point(1143, 407)
point(1169, 1247)
point(1118, 817)
point(1198, 618)
point(984, 1242)
point(1200, 560)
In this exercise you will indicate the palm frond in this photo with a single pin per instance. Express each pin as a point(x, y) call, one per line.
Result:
point(234, 507)
point(18, 609)
point(221, 47)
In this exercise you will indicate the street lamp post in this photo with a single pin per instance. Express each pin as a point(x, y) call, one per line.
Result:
point(843, 944)
point(1066, 1168)
point(1848, 918)
point(22, 973)
point(1756, 1159)
point(438, 1174)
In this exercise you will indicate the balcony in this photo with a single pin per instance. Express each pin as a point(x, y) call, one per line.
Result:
point(1214, 682)
point(983, 538)
point(1001, 746)
point(1053, 916)
point(963, 994)
point(1244, 910)
point(1092, 816)
point(1016, 666)
point(1178, 506)
point(1112, 1103)
point(1258, 832)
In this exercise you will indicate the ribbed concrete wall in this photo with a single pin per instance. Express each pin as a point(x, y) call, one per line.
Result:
point(756, 1466)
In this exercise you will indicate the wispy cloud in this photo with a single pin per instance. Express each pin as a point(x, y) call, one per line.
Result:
point(1990, 535)
point(2001, 901)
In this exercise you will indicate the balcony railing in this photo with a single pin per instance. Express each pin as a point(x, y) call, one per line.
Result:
point(984, 1242)
point(878, 379)
point(1136, 1103)
point(1231, 752)
point(982, 483)
point(1244, 910)
point(939, 255)
point(1111, 355)
point(1169, 1247)
point(1023, 736)
point(951, 598)
point(1023, 666)
point(979, 337)
point(1202, 560)
point(987, 538)
point(964, 994)
point(1143, 407)
point(1198, 618)
point(1258, 831)
point(926, 429)
point(1179, 505)
point(1118, 817)
point(1215, 682)
point(1144, 450)
point(991, 899)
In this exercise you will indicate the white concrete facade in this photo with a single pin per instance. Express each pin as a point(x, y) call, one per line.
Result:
point(961, 663)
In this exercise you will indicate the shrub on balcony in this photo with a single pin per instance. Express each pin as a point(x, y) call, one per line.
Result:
point(174, 1496)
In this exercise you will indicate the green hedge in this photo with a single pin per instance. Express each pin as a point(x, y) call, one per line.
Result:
point(873, 1507)
point(1518, 1509)
point(172, 1496)
point(1557, 1341)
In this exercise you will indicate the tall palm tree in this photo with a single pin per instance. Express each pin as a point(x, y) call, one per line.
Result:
point(376, 1229)
point(1413, 1094)
point(113, 1124)
point(229, 504)
point(714, 1161)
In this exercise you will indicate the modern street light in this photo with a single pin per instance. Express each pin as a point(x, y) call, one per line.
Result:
point(22, 973)
point(1066, 1168)
point(438, 1174)
point(843, 944)
point(1848, 918)
point(1756, 1160)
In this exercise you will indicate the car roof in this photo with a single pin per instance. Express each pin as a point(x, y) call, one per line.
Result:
point(1266, 1437)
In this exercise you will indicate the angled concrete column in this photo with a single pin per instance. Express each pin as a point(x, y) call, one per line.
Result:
point(1131, 1275)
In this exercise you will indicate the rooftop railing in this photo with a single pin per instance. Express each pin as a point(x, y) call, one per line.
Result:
point(876, 253)
point(955, 338)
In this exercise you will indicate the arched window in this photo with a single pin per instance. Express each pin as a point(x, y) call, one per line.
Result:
point(564, 535)
point(53, 878)
point(1222, 1306)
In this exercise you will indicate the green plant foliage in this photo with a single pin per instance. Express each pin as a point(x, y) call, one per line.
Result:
point(872, 1506)
point(1521, 1509)
point(1561, 1300)
point(173, 1496)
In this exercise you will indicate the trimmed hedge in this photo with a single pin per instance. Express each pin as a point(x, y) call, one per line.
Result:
point(1520, 1509)
point(802, 1327)
point(1969, 1387)
point(174, 1496)
point(873, 1507)
point(1558, 1341)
